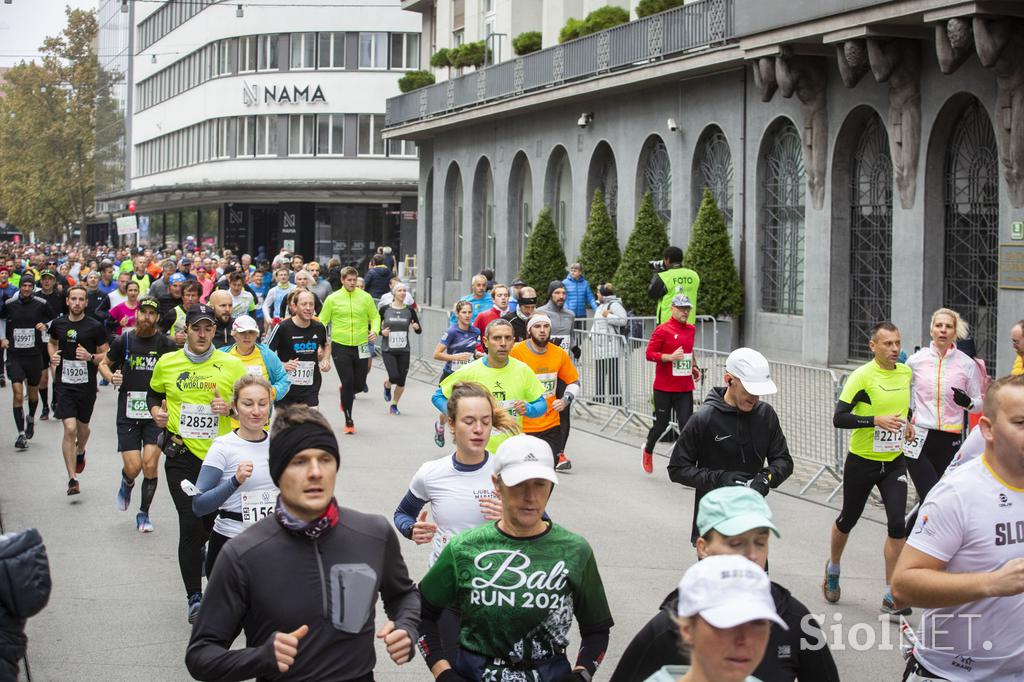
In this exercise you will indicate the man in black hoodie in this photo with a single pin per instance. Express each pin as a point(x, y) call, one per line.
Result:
point(734, 438)
point(736, 521)
point(24, 591)
point(303, 582)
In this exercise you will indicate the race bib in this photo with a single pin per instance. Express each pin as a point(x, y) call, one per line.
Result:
point(45, 336)
point(509, 405)
point(549, 381)
point(302, 375)
point(565, 343)
point(457, 364)
point(74, 372)
point(257, 505)
point(398, 339)
point(912, 448)
point(135, 406)
point(684, 367)
point(198, 421)
point(254, 370)
point(887, 441)
point(25, 338)
point(364, 351)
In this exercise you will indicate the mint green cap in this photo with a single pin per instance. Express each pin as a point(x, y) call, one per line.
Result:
point(734, 510)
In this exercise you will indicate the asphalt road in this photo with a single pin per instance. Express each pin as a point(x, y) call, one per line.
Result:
point(118, 606)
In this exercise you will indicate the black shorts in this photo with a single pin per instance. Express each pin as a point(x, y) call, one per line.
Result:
point(75, 404)
point(24, 368)
point(860, 476)
point(133, 434)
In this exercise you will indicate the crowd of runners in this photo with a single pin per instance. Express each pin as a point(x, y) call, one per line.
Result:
point(218, 360)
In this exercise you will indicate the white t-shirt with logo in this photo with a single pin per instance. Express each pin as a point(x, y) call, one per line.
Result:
point(454, 492)
point(226, 453)
point(975, 523)
point(971, 448)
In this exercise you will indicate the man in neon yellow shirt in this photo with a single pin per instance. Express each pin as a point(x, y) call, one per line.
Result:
point(1017, 338)
point(189, 396)
point(354, 323)
point(512, 382)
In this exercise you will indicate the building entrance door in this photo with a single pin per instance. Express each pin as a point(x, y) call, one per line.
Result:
point(263, 223)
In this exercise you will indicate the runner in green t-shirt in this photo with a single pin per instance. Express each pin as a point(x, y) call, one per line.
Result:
point(517, 584)
point(512, 383)
point(190, 395)
point(875, 404)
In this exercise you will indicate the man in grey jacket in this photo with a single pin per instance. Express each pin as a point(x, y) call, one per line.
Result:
point(303, 582)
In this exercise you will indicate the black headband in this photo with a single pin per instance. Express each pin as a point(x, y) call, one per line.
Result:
point(284, 445)
point(529, 300)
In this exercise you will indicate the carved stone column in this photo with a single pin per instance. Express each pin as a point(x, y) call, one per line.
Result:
point(1000, 45)
point(898, 63)
point(807, 78)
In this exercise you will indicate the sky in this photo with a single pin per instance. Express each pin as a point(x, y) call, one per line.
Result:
point(24, 25)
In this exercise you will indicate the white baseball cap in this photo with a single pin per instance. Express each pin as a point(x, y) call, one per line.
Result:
point(727, 590)
point(751, 368)
point(523, 457)
point(244, 323)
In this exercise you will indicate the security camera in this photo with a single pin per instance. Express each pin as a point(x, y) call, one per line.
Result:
point(672, 125)
point(585, 120)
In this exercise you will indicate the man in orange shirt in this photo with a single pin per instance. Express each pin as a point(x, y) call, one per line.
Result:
point(550, 363)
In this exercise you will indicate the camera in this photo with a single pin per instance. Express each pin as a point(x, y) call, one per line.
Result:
point(657, 265)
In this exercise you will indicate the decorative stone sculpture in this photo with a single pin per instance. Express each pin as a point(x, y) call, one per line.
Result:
point(954, 43)
point(807, 78)
point(852, 57)
point(898, 63)
point(1000, 45)
point(764, 77)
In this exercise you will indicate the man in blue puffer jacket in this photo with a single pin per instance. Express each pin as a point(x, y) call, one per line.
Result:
point(24, 591)
point(578, 294)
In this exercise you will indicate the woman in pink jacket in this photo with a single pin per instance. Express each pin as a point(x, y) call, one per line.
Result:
point(946, 383)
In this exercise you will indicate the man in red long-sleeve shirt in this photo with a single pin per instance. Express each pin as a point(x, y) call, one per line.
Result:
point(671, 349)
point(500, 295)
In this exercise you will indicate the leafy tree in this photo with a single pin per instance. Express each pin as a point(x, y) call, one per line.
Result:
point(441, 59)
point(526, 42)
point(710, 256)
point(604, 18)
point(469, 54)
point(544, 260)
point(599, 250)
point(646, 243)
point(646, 8)
point(48, 132)
point(571, 30)
point(414, 80)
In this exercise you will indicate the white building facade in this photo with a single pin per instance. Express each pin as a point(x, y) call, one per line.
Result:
point(258, 125)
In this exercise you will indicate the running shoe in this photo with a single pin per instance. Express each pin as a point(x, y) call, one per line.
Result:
point(30, 428)
point(350, 427)
point(889, 607)
point(193, 606)
point(22, 442)
point(73, 488)
point(104, 382)
point(648, 459)
point(438, 435)
point(45, 416)
point(830, 586)
point(563, 463)
point(394, 410)
point(143, 523)
point(124, 496)
point(387, 393)
point(79, 462)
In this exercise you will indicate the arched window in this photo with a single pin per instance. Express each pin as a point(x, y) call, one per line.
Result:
point(656, 176)
point(603, 176)
point(558, 192)
point(870, 235)
point(714, 172)
point(971, 202)
point(453, 220)
point(520, 209)
point(782, 223)
point(483, 215)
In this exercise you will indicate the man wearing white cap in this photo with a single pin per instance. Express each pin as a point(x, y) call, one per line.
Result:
point(518, 583)
point(735, 437)
point(725, 617)
point(552, 365)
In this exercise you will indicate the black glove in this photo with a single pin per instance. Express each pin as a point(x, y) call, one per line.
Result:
point(761, 482)
point(727, 478)
point(962, 399)
point(576, 352)
point(450, 675)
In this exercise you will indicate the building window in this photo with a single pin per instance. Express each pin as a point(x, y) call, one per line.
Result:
point(373, 50)
point(657, 178)
point(301, 135)
point(247, 54)
point(222, 148)
point(370, 141)
point(782, 218)
point(330, 135)
point(245, 140)
point(266, 136)
point(268, 53)
point(401, 148)
point(303, 51)
point(331, 51)
point(405, 51)
point(225, 58)
point(458, 14)
point(715, 173)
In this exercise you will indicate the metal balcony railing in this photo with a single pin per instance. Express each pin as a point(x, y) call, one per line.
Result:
point(694, 26)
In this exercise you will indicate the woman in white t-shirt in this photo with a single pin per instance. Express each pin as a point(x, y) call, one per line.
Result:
point(235, 477)
point(457, 487)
